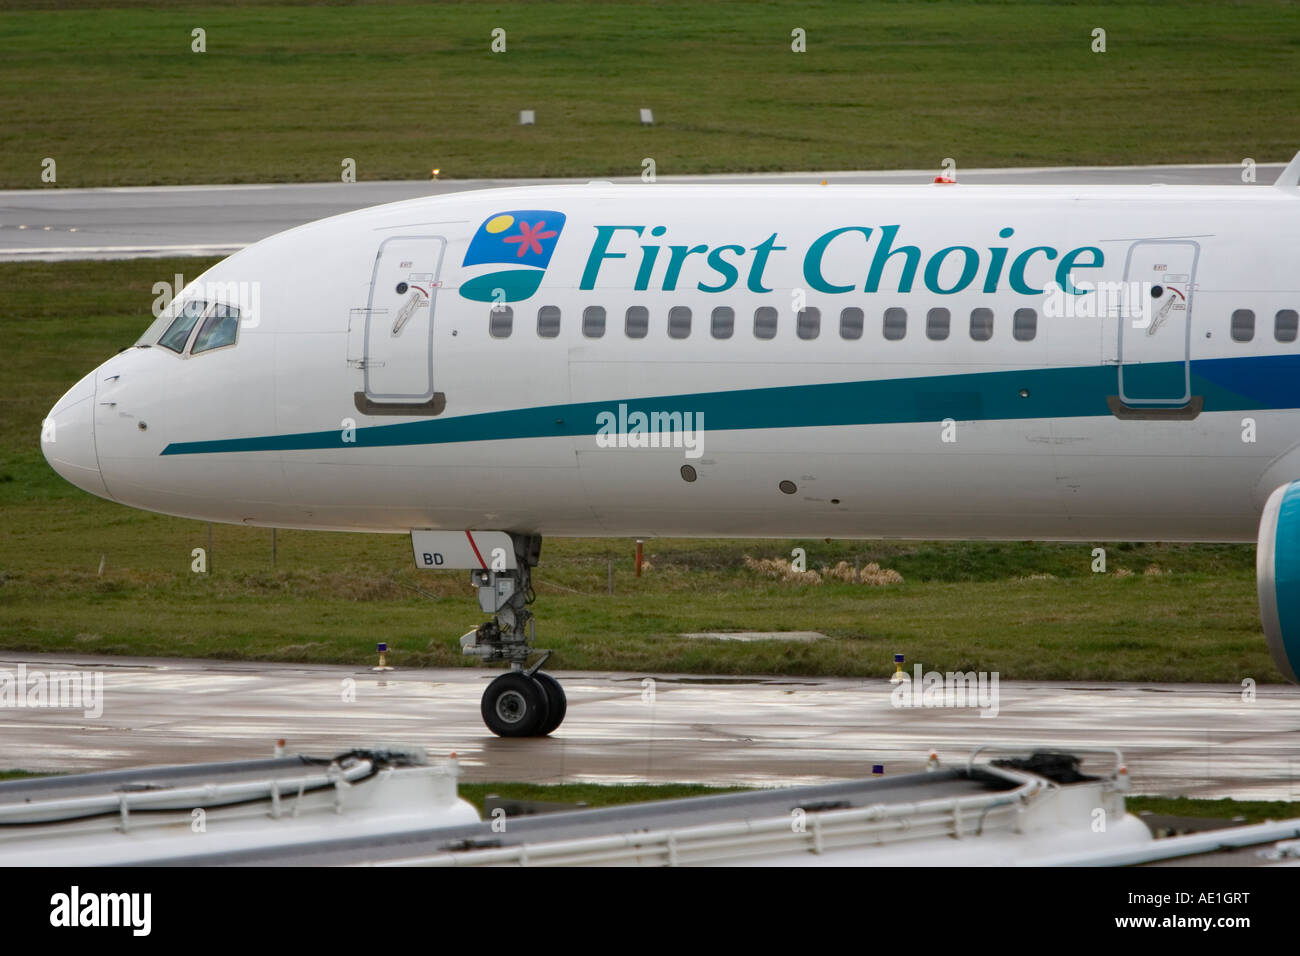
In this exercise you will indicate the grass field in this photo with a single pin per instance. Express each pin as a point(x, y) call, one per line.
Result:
point(1246, 811)
point(286, 91)
point(1025, 610)
point(592, 794)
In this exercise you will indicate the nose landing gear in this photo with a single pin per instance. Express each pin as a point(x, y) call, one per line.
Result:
point(523, 702)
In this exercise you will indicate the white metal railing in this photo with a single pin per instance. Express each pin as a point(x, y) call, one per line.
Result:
point(210, 794)
point(821, 831)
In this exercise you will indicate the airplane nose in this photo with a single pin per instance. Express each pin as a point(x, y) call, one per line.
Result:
point(68, 438)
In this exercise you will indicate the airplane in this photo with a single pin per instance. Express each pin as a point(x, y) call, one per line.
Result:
point(483, 369)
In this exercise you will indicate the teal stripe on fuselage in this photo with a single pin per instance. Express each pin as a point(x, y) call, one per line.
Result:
point(1247, 384)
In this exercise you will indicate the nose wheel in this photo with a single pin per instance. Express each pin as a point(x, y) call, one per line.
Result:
point(518, 704)
point(559, 704)
point(524, 702)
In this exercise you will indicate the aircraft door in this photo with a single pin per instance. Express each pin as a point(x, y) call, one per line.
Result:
point(1155, 333)
point(399, 324)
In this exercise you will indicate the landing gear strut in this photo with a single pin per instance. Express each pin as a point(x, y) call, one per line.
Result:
point(523, 702)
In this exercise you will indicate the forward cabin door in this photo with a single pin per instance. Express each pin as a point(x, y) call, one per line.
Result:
point(399, 324)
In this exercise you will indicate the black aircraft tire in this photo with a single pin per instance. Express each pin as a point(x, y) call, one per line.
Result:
point(515, 705)
point(559, 704)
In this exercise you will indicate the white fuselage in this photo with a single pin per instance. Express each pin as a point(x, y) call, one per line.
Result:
point(347, 404)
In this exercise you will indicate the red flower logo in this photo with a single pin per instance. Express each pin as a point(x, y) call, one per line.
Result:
point(530, 237)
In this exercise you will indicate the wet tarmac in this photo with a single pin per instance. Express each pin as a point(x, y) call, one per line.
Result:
point(1194, 740)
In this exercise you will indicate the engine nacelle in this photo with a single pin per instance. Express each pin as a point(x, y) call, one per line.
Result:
point(1277, 573)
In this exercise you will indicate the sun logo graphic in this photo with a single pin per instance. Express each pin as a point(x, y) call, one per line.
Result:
point(524, 240)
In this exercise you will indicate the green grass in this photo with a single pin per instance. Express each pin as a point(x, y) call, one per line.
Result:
point(1249, 811)
point(592, 794)
point(332, 607)
point(1031, 611)
point(286, 91)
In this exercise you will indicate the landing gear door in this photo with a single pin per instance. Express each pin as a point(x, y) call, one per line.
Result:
point(1155, 325)
point(398, 361)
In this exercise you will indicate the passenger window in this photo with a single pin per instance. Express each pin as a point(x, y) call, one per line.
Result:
point(808, 323)
point(178, 333)
point(981, 324)
point(1243, 325)
point(765, 322)
point(637, 322)
point(679, 322)
point(1285, 324)
point(936, 324)
point(723, 321)
point(1024, 325)
point(501, 322)
point(895, 323)
point(851, 323)
point(220, 329)
point(593, 321)
point(548, 321)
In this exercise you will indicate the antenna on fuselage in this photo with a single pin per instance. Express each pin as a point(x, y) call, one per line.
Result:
point(1289, 178)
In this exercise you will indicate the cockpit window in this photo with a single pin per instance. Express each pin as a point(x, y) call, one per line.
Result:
point(220, 329)
point(178, 333)
point(157, 327)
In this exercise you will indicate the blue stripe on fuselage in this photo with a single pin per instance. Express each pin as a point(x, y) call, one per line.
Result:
point(1235, 384)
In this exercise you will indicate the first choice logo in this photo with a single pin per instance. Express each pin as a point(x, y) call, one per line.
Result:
point(944, 272)
point(523, 239)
